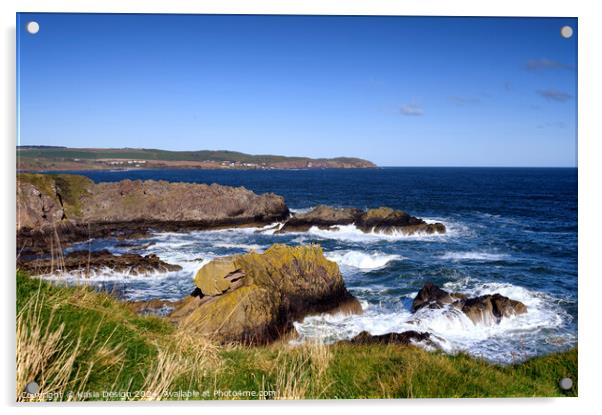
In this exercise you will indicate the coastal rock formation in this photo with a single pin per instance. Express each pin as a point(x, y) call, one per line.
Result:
point(255, 298)
point(322, 217)
point(88, 262)
point(381, 220)
point(486, 309)
point(71, 207)
point(387, 220)
point(403, 338)
point(161, 201)
point(434, 297)
point(489, 309)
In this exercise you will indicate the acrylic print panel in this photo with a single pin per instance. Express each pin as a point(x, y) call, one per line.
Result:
point(295, 207)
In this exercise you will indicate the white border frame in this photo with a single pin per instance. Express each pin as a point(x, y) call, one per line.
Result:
point(589, 156)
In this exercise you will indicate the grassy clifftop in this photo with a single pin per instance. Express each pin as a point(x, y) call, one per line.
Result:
point(79, 341)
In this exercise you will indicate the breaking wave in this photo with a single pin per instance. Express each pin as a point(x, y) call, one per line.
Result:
point(361, 260)
point(514, 339)
point(473, 256)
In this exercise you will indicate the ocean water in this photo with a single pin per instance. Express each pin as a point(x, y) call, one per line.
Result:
point(512, 231)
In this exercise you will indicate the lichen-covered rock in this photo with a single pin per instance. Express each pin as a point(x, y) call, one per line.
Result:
point(272, 290)
point(211, 278)
point(46, 200)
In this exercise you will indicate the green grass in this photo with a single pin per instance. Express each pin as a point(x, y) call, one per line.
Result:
point(124, 352)
point(96, 321)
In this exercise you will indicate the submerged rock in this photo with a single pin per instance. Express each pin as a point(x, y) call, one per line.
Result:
point(382, 220)
point(255, 298)
point(486, 309)
point(89, 262)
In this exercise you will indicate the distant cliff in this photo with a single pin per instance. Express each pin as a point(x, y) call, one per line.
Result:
point(35, 158)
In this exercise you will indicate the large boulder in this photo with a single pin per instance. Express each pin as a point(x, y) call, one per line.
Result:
point(486, 309)
point(255, 298)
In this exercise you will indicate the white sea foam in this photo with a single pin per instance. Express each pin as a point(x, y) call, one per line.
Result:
point(473, 256)
point(352, 234)
point(247, 247)
point(301, 210)
point(106, 274)
point(452, 329)
point(361, 260)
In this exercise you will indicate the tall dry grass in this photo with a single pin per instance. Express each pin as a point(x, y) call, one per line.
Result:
point(61, 360)
point(44, 357)
point(188, 357)
point(301, 371)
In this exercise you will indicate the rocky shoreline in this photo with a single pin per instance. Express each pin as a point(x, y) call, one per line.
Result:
point(252, 298)
point(54, 211)
point(87, 263)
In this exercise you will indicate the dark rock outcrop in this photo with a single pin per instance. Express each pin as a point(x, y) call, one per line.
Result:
point(486, 309)
point(387, 220)
point(255, 298)
point(87, 262)
point(434, 297)
point(403, 338)
point(382, 220)
point(322, 217)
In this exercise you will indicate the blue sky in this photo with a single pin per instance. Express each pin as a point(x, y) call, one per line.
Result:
point(400, 91)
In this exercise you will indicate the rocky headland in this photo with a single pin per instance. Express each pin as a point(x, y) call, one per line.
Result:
point(54, 210)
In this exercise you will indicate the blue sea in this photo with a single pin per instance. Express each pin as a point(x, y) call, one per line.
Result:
point(510, 230)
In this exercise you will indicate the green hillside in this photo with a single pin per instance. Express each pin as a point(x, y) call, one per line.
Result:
point(58, 153)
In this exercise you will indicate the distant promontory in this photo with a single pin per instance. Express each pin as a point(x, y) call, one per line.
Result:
point(49, 158)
